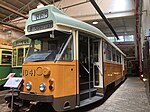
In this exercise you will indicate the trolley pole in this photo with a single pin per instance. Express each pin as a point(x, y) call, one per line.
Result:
point(103, 17)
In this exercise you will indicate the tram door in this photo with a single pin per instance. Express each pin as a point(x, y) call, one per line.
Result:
point(89, 68)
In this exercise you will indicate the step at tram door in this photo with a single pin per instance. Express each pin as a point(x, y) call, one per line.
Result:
point(90, 74)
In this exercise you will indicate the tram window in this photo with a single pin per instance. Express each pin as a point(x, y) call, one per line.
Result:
point(120, 58)
point(117, 58)
point(20, 56)
point(108, 51)
point(14, 57)
point(114, 54)
point(6, 52)
point(26, 50)
point(68, 53)
point(95, 51)
point(60, 47)
point(83, 49)
point(6, 59)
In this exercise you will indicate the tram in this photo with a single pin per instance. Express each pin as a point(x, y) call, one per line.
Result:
point(74, 65)
point(5, 62)
point(20, 48)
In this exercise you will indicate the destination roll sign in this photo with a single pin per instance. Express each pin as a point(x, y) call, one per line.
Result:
point(40, 15)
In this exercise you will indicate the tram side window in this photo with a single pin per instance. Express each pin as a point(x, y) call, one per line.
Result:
point(68, 53)
point(117, 56)
point(6, 52)
point(104, 51)
point(20, 56)
point(108, 51)
point(120, 58)
point(26, 50)
point(114, 54)
point(14, 57)
point(6, 57)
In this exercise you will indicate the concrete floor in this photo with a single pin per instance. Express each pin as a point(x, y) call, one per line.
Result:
point(129, 97)
point(3, 105)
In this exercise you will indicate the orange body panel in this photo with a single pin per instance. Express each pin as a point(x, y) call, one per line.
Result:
point(112, 72)
point(64, 75)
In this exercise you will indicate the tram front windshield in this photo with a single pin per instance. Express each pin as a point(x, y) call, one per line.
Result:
point(52, 46)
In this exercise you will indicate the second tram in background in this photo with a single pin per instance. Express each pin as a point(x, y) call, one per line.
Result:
point(5, 60)
point(20, 48)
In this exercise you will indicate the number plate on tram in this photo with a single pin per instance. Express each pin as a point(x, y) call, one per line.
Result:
point(40, 15)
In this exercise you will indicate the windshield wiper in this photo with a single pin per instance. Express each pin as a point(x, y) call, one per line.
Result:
point(60, 53)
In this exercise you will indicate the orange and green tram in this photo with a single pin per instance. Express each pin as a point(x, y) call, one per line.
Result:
point(20, 48)
point(75, 62)
point(5, 62)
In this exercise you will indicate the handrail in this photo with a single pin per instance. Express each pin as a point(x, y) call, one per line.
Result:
point(85, 68)
point(99, 69)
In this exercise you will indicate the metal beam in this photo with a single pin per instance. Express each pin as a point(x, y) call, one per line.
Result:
point(13, 26)
point(52, 1)
point(103, 16)
point(13, 11)
point(10, 5)
point(43, 2)
point(75, 5)
point(21, 3)
point(2, 15)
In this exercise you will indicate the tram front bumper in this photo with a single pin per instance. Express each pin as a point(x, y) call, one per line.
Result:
point(36, 97)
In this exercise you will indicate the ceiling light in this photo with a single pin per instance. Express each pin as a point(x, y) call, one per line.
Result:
point(144, 79)
point(94, 22)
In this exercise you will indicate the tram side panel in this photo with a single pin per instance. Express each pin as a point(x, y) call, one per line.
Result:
point(112, 72)
point(114, 69)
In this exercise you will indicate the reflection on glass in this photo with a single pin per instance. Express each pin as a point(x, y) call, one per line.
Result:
point(60, 47)
point(6, 59)
point(124, 38)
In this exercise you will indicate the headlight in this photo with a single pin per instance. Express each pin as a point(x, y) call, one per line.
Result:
point(28, 85)
point(42, 87)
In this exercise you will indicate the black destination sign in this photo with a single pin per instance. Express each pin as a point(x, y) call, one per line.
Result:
point(40, 26)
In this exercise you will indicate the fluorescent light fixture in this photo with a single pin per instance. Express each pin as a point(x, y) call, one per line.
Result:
point(94, 22)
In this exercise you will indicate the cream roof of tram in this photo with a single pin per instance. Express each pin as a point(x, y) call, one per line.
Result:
point(60, 18)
